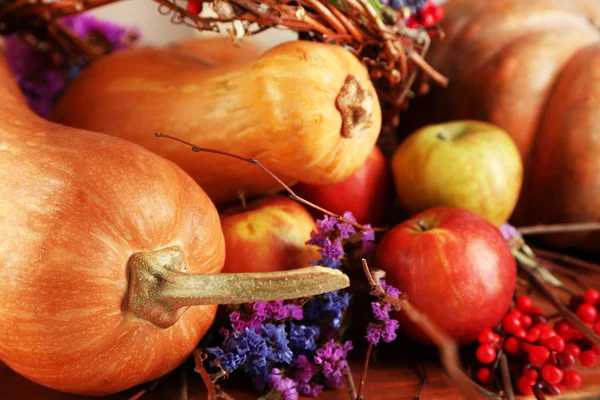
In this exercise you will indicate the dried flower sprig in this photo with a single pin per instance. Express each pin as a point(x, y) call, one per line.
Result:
point(293, 348)
point(44, 71)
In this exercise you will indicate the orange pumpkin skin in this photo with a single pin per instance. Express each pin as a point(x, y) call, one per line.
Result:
point(74, 206)
point(281, 108)
point(531, 68)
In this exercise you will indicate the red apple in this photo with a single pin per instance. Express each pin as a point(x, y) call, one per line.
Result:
point(453, 265)
point(367, 194)
point(269, 235)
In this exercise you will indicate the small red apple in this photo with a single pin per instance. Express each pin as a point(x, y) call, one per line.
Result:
point(269, 235)
point(453, 265)
point(367, 194)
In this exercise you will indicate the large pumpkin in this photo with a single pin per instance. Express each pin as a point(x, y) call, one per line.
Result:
point(533, 68)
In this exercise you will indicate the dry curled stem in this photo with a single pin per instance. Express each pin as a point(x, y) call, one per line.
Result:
point(559, 228)
point(290, 192)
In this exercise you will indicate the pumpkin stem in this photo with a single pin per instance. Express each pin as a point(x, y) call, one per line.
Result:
point(355, 105)
point(161, 289)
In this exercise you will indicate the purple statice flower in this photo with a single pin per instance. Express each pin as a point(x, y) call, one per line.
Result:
point(41, 81)
point(384, 327)
point(276, 338)
point(332, 358)
point(332, 249)
point(303, 338)
point(327, 224)
point(86, 26)
point(302, 371)
point(285, 386)
point(43, 74)
point(508, 231)
point(296, 312)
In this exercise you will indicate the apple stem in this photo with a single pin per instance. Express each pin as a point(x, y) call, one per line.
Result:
point(161, 289)
point(422, 226)
point(442, 135)
point(290, 192)
point(242, 197)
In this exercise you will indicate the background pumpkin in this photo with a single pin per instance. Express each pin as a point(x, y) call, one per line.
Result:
point(84, 219)
point(530, 67)
point(308, 111)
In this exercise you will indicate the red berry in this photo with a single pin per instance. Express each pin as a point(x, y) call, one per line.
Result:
point(486, 354)
point(591, 296)
point(511, 346)
point(562, 327)
point(511, 323)
point(556, 389)
point(547, 335)
point(521, 333)
point(524, 385)
point(526, 321)
point(572, 379)
point(556, 343)
point(587, 313)
point(552, 374)
point(596, 328)
point(524, 303)
point(539, 355)
point(438, 13)
point(532, 374)
point(532, 335)
point(573, 349)
point(486, 336)
point(484, 376)
point(515, 313)
point(543, 327)
point(527, 347)
point(427, 19)
point(565, 360)
point(596, 349)
point(194, 6)
point(588, 358)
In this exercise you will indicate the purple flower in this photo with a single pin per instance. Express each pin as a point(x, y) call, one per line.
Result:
point(86, 26)
point(309, 390)
point(368, 235)
point(332, 357)
point(381, 311)
point(295, 311)
point(508, 231)
point(332, 250)
point(327, 224)
point(316, 239)
point(303, 369)
point(303, 338)
point(285, 386)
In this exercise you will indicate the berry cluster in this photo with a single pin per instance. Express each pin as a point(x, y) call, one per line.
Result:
point(427, 16)
point(541, 356)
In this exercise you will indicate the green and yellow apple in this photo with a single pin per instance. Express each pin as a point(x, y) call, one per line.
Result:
point(268, 235)
point(469, 164)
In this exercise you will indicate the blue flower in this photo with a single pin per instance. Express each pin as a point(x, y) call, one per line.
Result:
point(303, 338)
point(276, 337)
point(335, 304)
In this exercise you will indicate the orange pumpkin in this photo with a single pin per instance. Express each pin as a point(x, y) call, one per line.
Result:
point(105, 246)
point(530, 67)
point(308, 111)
